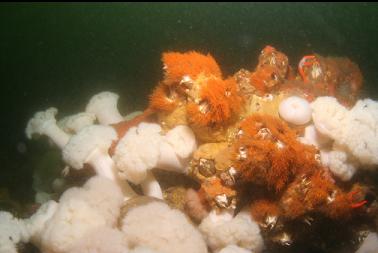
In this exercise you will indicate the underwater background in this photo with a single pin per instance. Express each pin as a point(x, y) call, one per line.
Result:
point(61, 54)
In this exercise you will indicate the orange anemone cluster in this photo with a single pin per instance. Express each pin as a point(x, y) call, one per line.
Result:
point(180, 69)
point(163, 98)
point(219, 101)
point(309, 193)
point(317, 193)
point(268, 153)
point(191, 64)
point(265, 152)
point(195, 81)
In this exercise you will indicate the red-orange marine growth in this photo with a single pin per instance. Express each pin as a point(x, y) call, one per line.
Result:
point(268, 153)
point(219, 101)
point(163, 98)
point(271, 71)
point(211, 188)
point(262, 208)
point(191, 64)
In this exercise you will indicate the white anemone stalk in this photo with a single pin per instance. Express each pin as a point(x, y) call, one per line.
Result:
point(44, 123)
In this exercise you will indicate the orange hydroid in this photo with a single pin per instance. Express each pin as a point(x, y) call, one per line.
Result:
point(264, 163)
point(252, 126)
point(163, 98)
point(344, 204)
point(340, 207)
point(178, 65)
point(263, 208)
point(319, 193)
point(271, 70)
point(219, 101)
point(264, 79)
point(268, 153)
point(320, 188)
point(270, 56)
point(213, 187)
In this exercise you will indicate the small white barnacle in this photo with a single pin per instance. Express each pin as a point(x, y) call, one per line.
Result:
point(331, 197)
point(318, 158)
point(186, 80)
point(280, 144)
point(264, 133)
point(242, 154)
point(268, 97)
point(316, 71)
point(239, 133)
point(273, 60)
point(203, 107)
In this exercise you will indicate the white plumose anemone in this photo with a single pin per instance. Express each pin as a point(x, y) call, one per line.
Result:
point(44, 123)
point(160, 228)
point(222, 229)
point(74, 123)
point(144, 148)
point(90, 146)
point(354, 130)
point(295, 110)
point(80, 210)
point(104, 106)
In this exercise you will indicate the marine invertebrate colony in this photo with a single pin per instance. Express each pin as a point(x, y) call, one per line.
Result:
point(295, 110)
point(217, 103)
point(359, 135)
point(332, 76)
point(188, 65)
point(163, 98)
point(44, 123)
point(256, 159)
point(266, 152)
point(271, 70)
